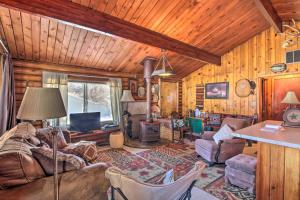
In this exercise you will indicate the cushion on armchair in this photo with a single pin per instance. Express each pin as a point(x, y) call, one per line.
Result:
point(235, 123)
point(223, 133)
point(208, 135)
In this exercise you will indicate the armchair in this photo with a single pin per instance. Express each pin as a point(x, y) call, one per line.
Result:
point(207, 148)
point(126, 188)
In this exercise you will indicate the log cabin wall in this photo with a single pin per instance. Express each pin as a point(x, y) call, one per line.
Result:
point(32, 77)
point(250, 60)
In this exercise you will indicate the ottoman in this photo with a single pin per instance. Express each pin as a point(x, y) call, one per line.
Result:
point(116, 140)
point(240, 171)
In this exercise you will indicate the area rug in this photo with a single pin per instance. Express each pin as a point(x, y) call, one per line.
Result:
point(150, 165)
point(129, 163)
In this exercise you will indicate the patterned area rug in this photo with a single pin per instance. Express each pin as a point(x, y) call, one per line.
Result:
point(150, 165)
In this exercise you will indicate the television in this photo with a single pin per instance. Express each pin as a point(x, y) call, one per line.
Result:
point(85, 122)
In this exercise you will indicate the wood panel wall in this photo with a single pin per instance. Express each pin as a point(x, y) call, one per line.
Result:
point(250, 60)
point(29, 77)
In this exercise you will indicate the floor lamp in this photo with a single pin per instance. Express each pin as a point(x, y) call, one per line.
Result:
point(43, 104)
point(126, 98)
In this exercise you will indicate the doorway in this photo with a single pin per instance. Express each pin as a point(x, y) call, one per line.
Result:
point(274, 90)
point(169, 97)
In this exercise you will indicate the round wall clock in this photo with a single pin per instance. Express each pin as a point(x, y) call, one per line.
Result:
point(291, 117)
point(244, 87)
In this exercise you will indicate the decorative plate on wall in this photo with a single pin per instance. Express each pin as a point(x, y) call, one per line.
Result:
point(155, 89)
point(141, 91)
point(244, 87)
point(291, 117)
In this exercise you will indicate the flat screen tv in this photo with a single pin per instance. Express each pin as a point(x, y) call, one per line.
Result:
point(85, 122)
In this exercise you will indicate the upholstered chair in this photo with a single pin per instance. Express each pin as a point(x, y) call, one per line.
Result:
point(125, 188)
point(182, 129)
point(208, 149)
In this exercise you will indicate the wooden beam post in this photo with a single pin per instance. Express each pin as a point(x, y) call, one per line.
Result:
point(268, 11)
point(71, 69)
point(87, 18)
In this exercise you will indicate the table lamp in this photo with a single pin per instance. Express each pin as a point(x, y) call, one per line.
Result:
point(126, 97)
point(42, 104)
point(291, 116)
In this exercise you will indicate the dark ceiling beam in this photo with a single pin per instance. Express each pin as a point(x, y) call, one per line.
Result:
point(268, 11)
point(87, 18)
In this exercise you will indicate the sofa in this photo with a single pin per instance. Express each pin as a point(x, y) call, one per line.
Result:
point(22, 176)
point(208, 149)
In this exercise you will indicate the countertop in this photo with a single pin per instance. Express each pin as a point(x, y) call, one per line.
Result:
point(286, 136)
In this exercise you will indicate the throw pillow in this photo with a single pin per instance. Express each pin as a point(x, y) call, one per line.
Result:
point(25, 130)
point(178, 123)
point(169, 177)
point(66, 162)
point(85, 149)
point(223, 133)
point(45, 134)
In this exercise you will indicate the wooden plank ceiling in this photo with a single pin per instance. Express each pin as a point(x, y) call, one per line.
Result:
point(216, 26)
point(287, 9)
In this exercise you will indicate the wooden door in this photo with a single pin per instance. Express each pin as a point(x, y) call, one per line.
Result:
point(274, 90)
point(169, 93)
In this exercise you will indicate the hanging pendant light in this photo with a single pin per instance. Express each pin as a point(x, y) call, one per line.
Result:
point(163, 67)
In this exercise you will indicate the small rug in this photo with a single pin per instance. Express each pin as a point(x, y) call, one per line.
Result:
point(150, 165)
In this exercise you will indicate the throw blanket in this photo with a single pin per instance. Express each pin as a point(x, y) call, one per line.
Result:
point(23, 130)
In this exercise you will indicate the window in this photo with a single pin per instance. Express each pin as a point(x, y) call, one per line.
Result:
point(89, 97)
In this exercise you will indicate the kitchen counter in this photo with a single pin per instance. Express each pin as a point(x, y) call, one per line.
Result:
point(286, 136)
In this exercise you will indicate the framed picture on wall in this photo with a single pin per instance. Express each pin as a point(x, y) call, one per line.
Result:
point(133, 86)
point(218, 90)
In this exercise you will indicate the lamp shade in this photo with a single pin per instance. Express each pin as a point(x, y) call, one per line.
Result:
point(290, 98)
point(163, 67)
point(41, 104)
point(127, 96)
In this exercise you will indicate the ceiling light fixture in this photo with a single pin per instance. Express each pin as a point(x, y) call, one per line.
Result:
point(163, 67)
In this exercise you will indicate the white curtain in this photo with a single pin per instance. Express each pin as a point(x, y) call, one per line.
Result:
point(57, 80)
point(115, 93)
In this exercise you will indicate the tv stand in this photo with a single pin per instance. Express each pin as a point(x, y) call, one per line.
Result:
point(101, 137)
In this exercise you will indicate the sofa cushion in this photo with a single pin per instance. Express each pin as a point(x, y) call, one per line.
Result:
point(243, 163)
point(84, 149)
point(45, 134)
point(17, 164)
point(66, 162)
point(223, 133)
point(235, 123)
point(22, 130)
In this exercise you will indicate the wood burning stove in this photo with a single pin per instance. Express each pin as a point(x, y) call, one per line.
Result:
point(149, 130)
